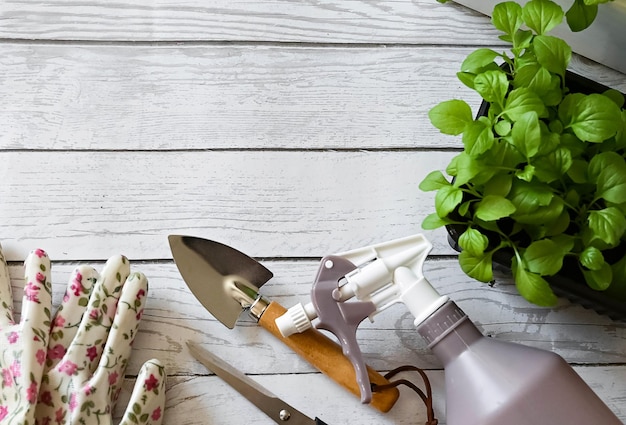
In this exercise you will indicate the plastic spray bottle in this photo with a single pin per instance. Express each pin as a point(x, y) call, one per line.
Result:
point(488, 382)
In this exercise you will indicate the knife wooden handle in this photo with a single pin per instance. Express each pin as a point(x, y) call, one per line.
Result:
point(327, 356)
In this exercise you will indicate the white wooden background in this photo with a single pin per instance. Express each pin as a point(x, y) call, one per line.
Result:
point(289, 130)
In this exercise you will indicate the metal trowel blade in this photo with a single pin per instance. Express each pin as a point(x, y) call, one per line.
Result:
point(221, 278)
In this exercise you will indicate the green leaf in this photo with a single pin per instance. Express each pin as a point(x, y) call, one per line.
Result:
point(433, 221)
point(477, 138)
point(522, 39)
point(527, 173)
point(538, 79)
point(608, 171)
point(521, 101)
point(552, 53)
point(473, 241)
point(466, 168)
point(580, 15)
point(446, 200)
point(544, 257)
point(615, 96)
point(492, 86)
point(503, 127)
point(466, 78)
point(578, 171)
point(599, 279)
point(593, 118)
point(507, 17)
point(553, 166)
point(592, 258)
point(526, 134)
point(494, 207)
point(479, 267)
point(499, 185)
point(542, 15)
point(451, 116)
point(607, 225)
point(533, 287)
point(435, 180)
point(478, 59)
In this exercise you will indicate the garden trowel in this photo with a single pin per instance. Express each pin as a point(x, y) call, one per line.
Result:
point(226, 282)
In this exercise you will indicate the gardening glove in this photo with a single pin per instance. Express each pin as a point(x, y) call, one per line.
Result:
point(90, 346)
point(23, 344)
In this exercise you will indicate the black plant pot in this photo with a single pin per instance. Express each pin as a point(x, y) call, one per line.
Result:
point(569, 283)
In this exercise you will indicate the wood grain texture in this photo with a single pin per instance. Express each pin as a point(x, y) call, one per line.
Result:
point(311, 21)
point(85, 205)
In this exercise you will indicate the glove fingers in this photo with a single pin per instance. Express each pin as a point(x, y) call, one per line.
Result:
point(119, 343)
point(6, 295)
point(36, 305)
point(86, 347)
point(147, 402)
point(37, 300)
point(68, 317)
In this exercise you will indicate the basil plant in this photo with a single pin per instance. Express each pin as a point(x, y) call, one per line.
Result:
point(542, 174)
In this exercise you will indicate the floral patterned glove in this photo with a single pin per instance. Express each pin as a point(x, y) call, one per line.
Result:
point(23, 344)
point(89, 348)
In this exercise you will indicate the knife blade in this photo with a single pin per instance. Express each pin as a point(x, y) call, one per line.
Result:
point(277, 409)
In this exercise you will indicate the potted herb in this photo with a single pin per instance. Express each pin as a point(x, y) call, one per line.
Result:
point(540, 185)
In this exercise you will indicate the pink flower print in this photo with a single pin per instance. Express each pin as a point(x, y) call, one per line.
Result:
point(141, 293)
point(156, 414)
point(113, 378)
point(151, 383)
point(31, 291)
point(94, 314)
point(46, 398)
point(56, 352)
point(3, 412)
point(40, 356)
point(139, 314)
point(68, 367)
point(60, 416)
point(15, 369)
point(40, 253)
point(88, 389)
point(92, 353)
point(73, 402)
point(59, 321)
point(7, 377)
point(77, 284)
point(40, 277)
point(31, 393)
point(13, 337)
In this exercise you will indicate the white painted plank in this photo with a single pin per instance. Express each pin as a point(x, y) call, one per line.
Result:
point(224, 97)
point(411, 22)
point(77, 97)
point(88, 205)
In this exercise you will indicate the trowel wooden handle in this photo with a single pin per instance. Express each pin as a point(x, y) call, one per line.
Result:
point(327, 356)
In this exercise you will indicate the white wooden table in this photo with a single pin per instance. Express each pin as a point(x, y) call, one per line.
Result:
point(289, 130)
